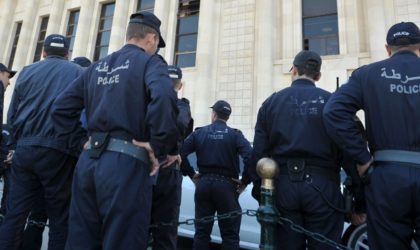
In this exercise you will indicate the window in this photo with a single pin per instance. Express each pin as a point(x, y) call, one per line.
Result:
point(104, 32)
point(146, 5)
point(320, 26)
point(186, 33)
point(41, 37)
point(14, 46)
point(72, 27)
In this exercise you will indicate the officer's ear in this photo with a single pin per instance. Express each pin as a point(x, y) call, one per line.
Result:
point(388, 49)
point(44, 53)
point(317, 76)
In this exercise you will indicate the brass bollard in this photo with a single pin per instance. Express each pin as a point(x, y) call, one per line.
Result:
point(267, 214)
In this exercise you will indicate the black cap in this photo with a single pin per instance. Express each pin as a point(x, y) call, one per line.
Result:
point(82, 61)
point(174, 72)
point(56, 41)
point(403, 33)
point(222, 107)
point(309, 60)
point(4, 68)
point(150, 20)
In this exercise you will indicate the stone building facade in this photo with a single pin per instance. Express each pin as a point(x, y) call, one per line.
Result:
point(243, 48)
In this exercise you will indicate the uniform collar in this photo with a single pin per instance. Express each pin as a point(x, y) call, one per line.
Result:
point(303, 82)
point(404, 52)
point(218, 121)
point(55, 56)
point(132, 46)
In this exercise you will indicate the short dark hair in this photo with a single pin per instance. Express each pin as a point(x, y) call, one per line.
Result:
point(302, 70)
point(56, 51)
point(222, 116)
point(139, 31)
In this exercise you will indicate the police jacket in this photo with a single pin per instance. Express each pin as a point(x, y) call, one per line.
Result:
point(389, 93)
point(1, 104)
point(30, 109)
point(218, 147)
point(289, 125)
point(127, 94)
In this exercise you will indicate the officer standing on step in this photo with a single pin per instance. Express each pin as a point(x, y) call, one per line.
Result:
point(218, 148)
point(167, 191)
point(388, 92)
point(290, 130)
point(128, 96)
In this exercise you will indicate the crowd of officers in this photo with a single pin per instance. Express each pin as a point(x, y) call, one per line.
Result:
point(99, 150)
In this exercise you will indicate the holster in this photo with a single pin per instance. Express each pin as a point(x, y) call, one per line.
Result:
point(98, 144)
point(296, 169)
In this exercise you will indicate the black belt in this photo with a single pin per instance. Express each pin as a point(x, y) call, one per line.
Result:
point(314, 170)
point(403, 156)
point(127, 148)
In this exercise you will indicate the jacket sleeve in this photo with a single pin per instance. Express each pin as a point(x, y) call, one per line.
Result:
point(339, 119)
point(161, 110)
point(187, 148)
point(261, 142)
point(66, 111)
point(244, 149)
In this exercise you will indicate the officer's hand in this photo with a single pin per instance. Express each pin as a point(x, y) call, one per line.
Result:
point(361, 169)
point(170, 159)
point(9, 157)
point(358, 218)
point(154, 167)
point(195, 179)
point(240, 185)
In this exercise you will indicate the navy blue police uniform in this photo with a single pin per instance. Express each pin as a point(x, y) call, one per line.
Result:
point(127, 95)
point(167, 191)
point(388, 91)
point(43, 161)
point(218, 148)
point(290, 130)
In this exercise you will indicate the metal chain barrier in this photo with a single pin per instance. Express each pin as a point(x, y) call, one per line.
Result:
point(281, 220)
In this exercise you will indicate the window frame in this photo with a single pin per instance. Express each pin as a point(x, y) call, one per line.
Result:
point(101, 30)
point(40, 41)
point(18, 26)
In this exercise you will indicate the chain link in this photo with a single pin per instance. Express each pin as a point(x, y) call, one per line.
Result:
point(37, 223)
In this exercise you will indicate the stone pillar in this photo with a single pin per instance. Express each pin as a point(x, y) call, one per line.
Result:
point(265, 27)
point(166, 11)
point(206, 60)
point(56, 14)
point(119, 26)
point(81, 41)
point(6, 22)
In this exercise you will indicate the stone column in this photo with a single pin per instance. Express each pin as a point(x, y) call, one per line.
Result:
point(206, 60)
point(166, 10)
point(6, 22)
point(265, 22)
point(56, 13)
point(81, 41)
point(119, 26)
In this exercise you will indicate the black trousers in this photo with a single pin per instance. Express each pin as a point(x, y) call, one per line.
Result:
point(301, 203)
point(216, 194)
point(36, 169)
point(111, 203)
point(393, 207)
point(165, 208)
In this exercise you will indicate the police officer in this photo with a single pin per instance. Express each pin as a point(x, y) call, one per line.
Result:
point(42, 162)
point(5, 76)
point(167, 191)
point(127, 95)
point(218, 147)
point(389, 93)
point(290, 130)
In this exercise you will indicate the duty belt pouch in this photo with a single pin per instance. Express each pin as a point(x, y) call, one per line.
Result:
point(98, 144)
point(296, 169)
